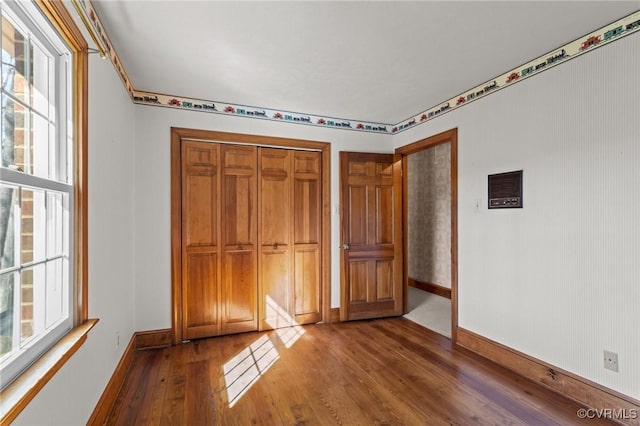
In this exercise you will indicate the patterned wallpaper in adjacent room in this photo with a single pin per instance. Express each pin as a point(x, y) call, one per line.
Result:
point(429, 215)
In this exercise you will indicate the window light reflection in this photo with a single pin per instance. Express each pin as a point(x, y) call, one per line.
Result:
point(244, 369)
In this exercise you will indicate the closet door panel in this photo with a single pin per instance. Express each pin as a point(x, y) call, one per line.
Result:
point(307, 285)
point(307, 213)
point(274, 229)
point(239, 222)
point(275, 289)
point(201, 296)
point(200, 194)
point(200, 236)
point(307, 210)
point(239, 290)
point(239, 194)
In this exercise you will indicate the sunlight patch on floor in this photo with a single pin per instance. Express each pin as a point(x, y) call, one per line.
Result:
point(246, 368)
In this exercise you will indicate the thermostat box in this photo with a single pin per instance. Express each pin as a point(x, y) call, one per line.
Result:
point(505, 190)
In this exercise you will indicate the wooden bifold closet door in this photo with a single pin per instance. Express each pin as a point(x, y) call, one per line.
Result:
point(251, 238)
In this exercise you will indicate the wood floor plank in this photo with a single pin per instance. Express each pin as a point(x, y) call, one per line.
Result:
point(365, 367)
point(173, 406)
point(321, 379)
point(384, 372)
point(150, 408)
point(449, 399)
point(512, 394)
point(397, 373)
point(135, 385)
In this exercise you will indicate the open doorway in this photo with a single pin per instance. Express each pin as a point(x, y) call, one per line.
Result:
point(430, 231)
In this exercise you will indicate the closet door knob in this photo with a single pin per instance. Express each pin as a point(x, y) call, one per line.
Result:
point(345, 246)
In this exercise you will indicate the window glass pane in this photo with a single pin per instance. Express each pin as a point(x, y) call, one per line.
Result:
point(15, 142)
point(54, 155)
point(54, 224)
point(41, 79)
point(33, 226)
point(7, 282)
point(55, 294)
point(14, 61)
point(39, 146)
point(8, 247)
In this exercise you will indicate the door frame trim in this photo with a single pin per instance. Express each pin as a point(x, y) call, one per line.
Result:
point(449, 136)
point(178, 134)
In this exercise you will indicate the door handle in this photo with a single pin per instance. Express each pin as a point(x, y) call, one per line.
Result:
point(345, 246)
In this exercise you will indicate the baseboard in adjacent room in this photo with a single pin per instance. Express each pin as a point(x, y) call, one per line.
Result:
point(430, 287)
point(570, 385)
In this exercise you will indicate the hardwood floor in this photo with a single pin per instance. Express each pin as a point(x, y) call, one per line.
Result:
point(385, 372)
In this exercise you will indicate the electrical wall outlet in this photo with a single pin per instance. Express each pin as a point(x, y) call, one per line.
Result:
point(611, 361)
point(117, 339)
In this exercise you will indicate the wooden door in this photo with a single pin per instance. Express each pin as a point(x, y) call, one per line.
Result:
point(307, 236)
point(200, 240)
point(239, 235)
point(371, 262)
point(289, 237)
point(274, 241)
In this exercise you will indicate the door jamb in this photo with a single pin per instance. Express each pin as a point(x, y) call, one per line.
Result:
point(177, 135)
point(440, 138)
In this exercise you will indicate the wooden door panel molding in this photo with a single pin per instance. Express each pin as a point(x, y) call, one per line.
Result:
point(275, 287)
point(307, 209)
point(307, 163)
point(199, 189)
point(201, 319)
point(384, 215)
point(307, 288)
point(357, 203)
point(371, 261)
point(384, 280)
point(238, 158)
point(200, 224)
point(239, 286)
point(239, 206)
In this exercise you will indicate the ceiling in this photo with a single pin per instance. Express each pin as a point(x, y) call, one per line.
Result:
point(381, 61)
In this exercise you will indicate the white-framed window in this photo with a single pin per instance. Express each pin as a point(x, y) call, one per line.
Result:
point(36, 189)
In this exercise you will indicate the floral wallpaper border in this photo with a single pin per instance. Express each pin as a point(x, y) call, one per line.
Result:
point(587, 43)
point(607, 34)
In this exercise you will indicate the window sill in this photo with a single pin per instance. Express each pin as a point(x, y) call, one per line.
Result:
point(19, 393)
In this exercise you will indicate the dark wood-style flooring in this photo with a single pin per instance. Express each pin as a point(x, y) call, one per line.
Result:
point(378, 372)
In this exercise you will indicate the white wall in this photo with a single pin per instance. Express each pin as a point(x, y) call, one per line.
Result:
point(69, 398)
point(152, 202)
point(560, 278)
